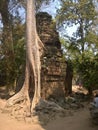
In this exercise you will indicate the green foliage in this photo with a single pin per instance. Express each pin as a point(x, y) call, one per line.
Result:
point(10, 70)
point(82, 47)
point(85, 65)
point(19, 47)
point(88, 68)
point(72, 11)
point(81, 13)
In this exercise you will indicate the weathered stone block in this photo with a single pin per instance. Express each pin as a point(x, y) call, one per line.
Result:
point(53, 66)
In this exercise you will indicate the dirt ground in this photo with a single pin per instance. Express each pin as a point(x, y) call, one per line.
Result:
point(80, 120)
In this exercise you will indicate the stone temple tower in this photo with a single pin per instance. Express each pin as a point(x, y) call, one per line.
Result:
point(53, 69)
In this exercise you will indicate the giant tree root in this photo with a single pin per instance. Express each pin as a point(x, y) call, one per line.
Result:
point(18, 105)
point(15, 99)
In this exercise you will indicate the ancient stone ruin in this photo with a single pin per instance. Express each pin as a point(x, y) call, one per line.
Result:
point(53, 71)
point(53, 66)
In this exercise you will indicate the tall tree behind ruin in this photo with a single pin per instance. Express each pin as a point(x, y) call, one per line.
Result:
point(32, 71)
point(7, 43)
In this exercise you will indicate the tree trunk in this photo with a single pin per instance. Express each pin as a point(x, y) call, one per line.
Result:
point(7, 43)
point(33, 65)
point(68, 79)
point(33, 54)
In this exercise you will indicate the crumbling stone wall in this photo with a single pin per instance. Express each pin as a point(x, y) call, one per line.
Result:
point(53, 66)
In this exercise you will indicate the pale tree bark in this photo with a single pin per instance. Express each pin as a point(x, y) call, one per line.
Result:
point(33, 64)
point(33, 53)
